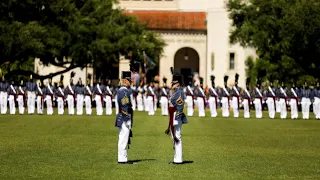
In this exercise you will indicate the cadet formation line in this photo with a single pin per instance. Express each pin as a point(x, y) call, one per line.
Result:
point(147, 97)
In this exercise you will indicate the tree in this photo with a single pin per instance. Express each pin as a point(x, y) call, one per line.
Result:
point(68, 34)
point(285, 33)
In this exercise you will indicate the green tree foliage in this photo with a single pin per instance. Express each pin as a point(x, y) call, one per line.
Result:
point(68, 34)
point(285, 33)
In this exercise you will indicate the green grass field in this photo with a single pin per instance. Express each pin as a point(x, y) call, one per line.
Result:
point(85, 147)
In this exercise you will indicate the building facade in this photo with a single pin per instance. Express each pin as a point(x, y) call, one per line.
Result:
point(197, 37)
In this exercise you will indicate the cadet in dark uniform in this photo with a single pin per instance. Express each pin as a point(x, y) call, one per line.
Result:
point(246, 95)
point(176, 116)
point(31, 88)
point(258, 98)
point(124, 117)
point(213, 98)
point(225, 98)
point(316, 102)
point(80, 96)
point(294, 100)
point(88, 96)
point(306, 99)
point(60, 96)
point(21, 97)
point(49, 97)
point(4, 87)
point(190, 97)
point(271, 99)
point(40, 98)
point(236, 97)
point(12, 91)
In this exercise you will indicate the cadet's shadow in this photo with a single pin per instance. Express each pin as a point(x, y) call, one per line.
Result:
point(187, 162)
point(139, 160)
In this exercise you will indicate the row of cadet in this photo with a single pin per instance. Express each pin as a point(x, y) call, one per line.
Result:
point(148, 97)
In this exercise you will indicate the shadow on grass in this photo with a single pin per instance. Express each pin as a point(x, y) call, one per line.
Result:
point(187, 162)
point(139, 160)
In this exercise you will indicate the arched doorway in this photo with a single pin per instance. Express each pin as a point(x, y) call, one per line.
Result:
point(186, 62)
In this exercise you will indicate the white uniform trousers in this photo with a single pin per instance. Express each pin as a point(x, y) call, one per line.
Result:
point(60, 103)
point(271, 108)
point(70, 101)
point(177, 146)
point(3, 102)
point(12, 104)
point(189, 102)
point(49, 105)
point(164, 105)
point(145, 102)
point(40, 104)
point(278, 110)
point(133, 102)
point(140, 102)
point(31, 102)
point(283, 108)
point(98, 105)
point(201, 106)
point(225, 107)
point(155, 103)
point(305, 106)
point(151, 106)
point(235, 107)
point(20, 104)
point(87, 100)
point(124, 132)
point(108, 101)
point(213, 107)
point(246, 108)
point(316, 107)
point(294, 108)
point(80, 100)
point(258, 107)
point(116, 104)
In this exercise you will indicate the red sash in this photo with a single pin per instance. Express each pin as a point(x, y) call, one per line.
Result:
point(216, 101)
point(171, 115)
point(101, 97)
point(204, 101)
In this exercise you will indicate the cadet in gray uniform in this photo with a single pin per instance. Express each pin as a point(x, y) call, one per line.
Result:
point(80, 96)
point(124, 118)
point(176, 116)
point(306, 99)
point(4, 87)
point(31, 88)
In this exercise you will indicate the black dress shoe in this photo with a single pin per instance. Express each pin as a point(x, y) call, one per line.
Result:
point(175, 163)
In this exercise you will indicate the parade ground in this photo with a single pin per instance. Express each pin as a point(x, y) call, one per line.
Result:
point(85, 147)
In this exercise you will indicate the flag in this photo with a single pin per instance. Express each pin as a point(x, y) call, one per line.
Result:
point(149, 62)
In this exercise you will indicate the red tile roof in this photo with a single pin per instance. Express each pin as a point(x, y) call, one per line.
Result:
point(171, 20)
